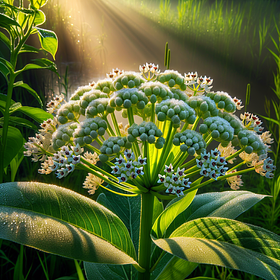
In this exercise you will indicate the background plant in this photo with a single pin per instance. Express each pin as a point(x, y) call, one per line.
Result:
point(19, 23)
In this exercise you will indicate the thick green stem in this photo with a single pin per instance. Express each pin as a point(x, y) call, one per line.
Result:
point(114, 120)
point(144, 254)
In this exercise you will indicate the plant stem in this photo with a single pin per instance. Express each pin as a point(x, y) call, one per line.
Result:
point(146, 219)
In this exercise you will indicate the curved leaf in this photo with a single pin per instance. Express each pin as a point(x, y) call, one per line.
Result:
point(228, 243)
point(7, 21)
point(169, 214)
point(19, 121)
point(26, 48)
point(62, 222)
point(13, 145)
point(48, 40)
point(39, 3)
point(228, 204)
point(29, 89)
point(37, 114)
point(40, 18)
point(5, 40)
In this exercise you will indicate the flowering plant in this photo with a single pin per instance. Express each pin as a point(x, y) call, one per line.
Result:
point(163, 153)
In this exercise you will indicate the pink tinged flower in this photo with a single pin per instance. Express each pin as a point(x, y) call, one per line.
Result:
point(55, 166)
point(170, 189)
point(70, 167)
point(179, 191)
point(168, 169)
point(122, 178)
point(213, 175)
point(142, 161)
point(139, 171)
point(129, 155)
point(161, 179)
point(204, 172)
point(221, 160)
point(186, 183)
point(180, 172)
point(116, 170)
point(120, 160)
point(76, 159)
point(77, 149)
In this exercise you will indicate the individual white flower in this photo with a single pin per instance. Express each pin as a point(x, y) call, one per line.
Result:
point(238, 103)
point(92, 182)
point(168, 169)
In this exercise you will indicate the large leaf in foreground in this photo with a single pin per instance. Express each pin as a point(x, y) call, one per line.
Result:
point(228, 243)
point(62, 222)
point(228, 204)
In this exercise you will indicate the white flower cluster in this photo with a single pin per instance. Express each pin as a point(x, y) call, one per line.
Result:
point(128, 167)
point(64, 161)
point(212, 164)
point(204, 83)
point(175, 182)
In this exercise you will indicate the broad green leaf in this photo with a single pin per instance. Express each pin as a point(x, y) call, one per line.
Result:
point(37, 114)
point(169, 214)
point(48, 40)
point(13, 145)
point(59, 221)
point(3, 97)
point(228, 204)
point(7, 21)
point(96, 271)
point(26, 48)
point(14, 164)
point(127, 209)
point(5, 40)
point(228, 243)
point(22, 20)
point(29, 89)
point(40, 18)
point(19, 121)
point(158, 208)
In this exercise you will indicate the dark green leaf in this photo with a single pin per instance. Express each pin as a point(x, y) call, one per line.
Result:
point(127, 209)
point(37, 114)
point(19, 121)
point(26, 48)
point(29, 89)
point(7, 64)
point(48, 40)
point(3, 97)
point(5, 40)
point(5, 71)
point(14, 144)
point(228, 243)
point(7, 21)
point(62, 222)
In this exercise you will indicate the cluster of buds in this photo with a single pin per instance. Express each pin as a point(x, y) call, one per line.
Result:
point(128, 80)
point(189, 141)
point(173, 79)
point(223, 100)
point(64, 161)
point(128, 167)
point(203, 105)
point(156, 91)
point(175, 182)
point(146, 131)
point(212, 164)
point(69, 112)
point(219, 128)
point(176, 111)
point(80, 92)
point(105, 86)
point(149, 71)
point(97, 107)
point(252, 122)
point(126, 98)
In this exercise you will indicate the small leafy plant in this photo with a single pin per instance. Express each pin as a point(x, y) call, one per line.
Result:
point(148, 223)
point(18, 23)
